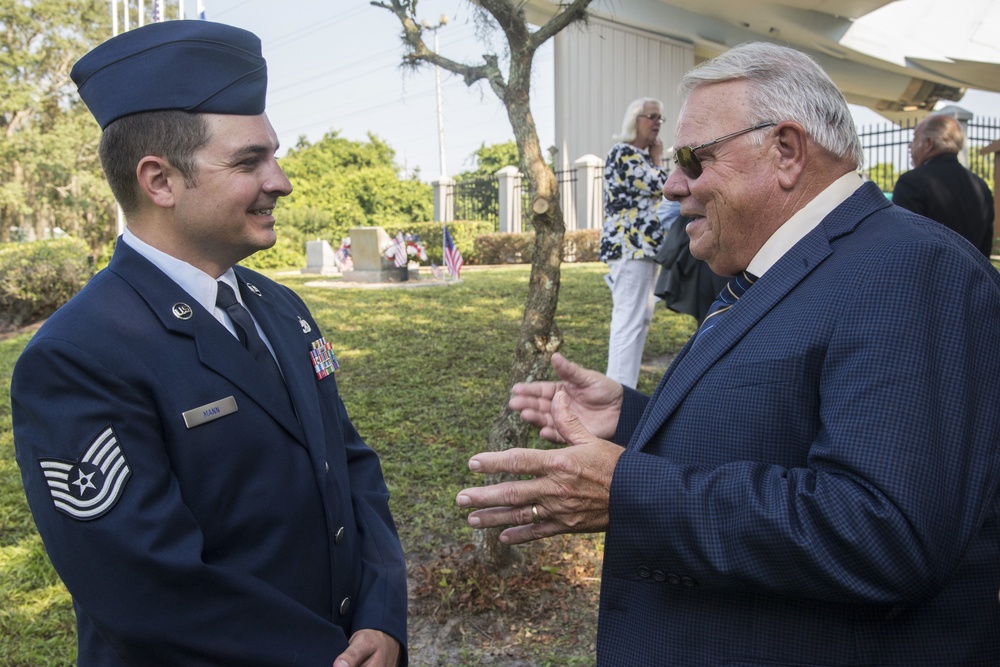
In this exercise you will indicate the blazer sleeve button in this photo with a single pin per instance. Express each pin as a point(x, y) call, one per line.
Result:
point(673, 579)
point(644, 572)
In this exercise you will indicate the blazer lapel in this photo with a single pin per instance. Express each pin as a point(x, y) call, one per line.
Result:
point(695, 360)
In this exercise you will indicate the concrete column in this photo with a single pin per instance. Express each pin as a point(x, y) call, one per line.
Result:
point(589, 192)
point(444, 198)
point(509, 182)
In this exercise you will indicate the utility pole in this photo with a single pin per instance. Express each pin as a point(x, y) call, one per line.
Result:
point(119, 214)
point(443, 21)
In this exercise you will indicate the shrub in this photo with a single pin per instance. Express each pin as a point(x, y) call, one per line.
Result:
point(310, 224)
point(105, 253)
point(37, 278)
point(288, 252)
point(578, 246)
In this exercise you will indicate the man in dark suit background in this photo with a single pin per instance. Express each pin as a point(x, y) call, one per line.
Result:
point(185, 452)
point(815, 479)
point(686, 284)
point(941, 188)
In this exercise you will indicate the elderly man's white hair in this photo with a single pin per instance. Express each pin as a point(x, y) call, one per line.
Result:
point(785, 84)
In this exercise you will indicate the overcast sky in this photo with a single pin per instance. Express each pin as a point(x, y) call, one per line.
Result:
point(334, 65)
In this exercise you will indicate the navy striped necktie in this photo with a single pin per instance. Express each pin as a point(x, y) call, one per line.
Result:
point(729, 295)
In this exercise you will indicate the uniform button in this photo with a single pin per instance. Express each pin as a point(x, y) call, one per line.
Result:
point(659, 576)
point(689, 582)
point(644, 572)
point(345, 606)
point(339, 535)
point(673, 579)
point(327, 466)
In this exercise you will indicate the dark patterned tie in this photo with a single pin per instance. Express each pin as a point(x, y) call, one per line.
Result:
point(246, 330)
point(733, 290)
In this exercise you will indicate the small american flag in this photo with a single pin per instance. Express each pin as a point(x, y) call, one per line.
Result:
point(399, 250)
point(452, 257)
point(159, 11)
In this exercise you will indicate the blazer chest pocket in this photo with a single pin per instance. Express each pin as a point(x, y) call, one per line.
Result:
point(764, 372)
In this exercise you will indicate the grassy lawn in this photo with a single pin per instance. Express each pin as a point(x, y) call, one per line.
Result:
point(423, 373)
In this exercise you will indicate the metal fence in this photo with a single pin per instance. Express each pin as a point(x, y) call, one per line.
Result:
point(565, 182)
point(982, 132)
point(477, 199)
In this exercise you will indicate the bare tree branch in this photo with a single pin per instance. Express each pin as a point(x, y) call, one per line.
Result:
point(419, 51)
point(575, 11)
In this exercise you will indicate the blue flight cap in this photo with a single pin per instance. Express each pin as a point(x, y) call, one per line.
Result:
point(196, 66)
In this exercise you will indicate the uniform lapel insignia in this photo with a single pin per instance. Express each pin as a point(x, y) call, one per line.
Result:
point(182, 311)
point(89, 488)
point(253, 288)
point(324, 361)
point(305, 326)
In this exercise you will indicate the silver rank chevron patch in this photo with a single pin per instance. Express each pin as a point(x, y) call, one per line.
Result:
point(89, 488)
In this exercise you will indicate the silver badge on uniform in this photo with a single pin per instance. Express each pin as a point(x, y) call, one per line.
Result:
point(305, 326)
point(209, 412)
point(253, 288)
point(87, 489)
point(182, 311)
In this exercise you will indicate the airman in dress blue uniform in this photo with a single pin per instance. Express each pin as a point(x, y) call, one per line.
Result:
point(204, 505)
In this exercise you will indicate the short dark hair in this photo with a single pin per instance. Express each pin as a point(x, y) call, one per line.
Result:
point(172, 135)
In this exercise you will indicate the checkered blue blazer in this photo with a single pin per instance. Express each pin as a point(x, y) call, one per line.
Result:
point(815, 482)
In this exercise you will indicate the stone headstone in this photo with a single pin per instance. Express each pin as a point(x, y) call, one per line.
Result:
point(320, 258)
point(370, 263)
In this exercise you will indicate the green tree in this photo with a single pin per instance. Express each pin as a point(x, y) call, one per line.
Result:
point(983, 165)
point(884, 175)
point(354, 184)
point(49, 170)
point(490, 159)
point(476, 196)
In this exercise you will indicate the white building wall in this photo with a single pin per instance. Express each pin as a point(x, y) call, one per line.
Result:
point(600, 68)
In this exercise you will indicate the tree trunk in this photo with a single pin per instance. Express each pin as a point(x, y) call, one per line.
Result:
point(539, 336)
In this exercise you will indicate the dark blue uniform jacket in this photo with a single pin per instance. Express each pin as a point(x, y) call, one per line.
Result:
point(196, 517)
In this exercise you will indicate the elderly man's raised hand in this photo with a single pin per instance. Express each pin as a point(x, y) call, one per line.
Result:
point(569, 490)
point(593, 397)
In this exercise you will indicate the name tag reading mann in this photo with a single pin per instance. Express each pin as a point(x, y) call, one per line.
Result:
point(209, 411)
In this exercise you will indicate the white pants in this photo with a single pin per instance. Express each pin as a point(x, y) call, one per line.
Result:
point(631, 282)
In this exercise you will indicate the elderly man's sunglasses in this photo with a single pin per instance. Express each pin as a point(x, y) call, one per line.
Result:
point(687, 159)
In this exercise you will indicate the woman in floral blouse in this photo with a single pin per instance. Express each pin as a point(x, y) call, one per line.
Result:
point(633, 185)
